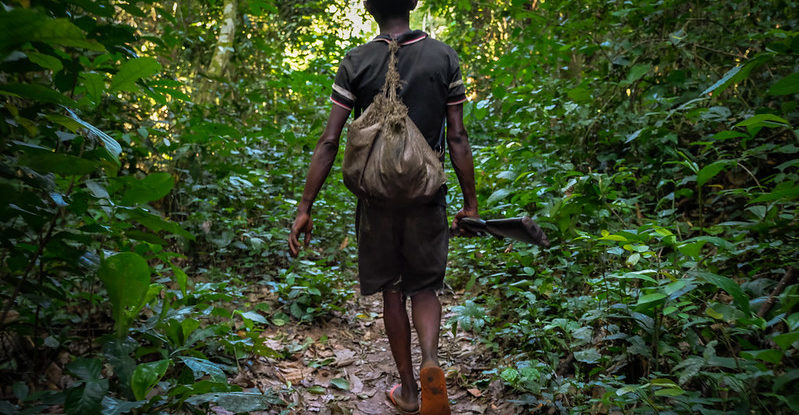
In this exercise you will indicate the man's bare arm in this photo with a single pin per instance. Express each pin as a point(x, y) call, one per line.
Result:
point(322, 160)
point(460, 153)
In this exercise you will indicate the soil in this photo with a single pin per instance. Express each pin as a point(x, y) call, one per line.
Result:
point(344, 366)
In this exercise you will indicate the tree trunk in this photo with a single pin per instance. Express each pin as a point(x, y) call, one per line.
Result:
point(224, 44)
point(222, 53)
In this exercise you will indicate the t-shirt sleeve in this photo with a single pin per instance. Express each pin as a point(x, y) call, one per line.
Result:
point(457, 90)
point(342, 87)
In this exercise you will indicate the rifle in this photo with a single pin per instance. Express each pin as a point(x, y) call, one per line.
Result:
point(520, 229)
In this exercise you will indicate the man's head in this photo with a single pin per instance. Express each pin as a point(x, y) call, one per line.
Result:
point(383, 10)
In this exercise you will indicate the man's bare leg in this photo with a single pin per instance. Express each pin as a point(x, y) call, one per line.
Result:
point(427, 319)
point(398, 330)
point(426, 311)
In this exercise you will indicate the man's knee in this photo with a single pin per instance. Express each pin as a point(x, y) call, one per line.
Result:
point(425, 293)
point(393, 294)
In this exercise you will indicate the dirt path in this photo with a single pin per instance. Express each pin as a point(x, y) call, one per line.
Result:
point(344, 366)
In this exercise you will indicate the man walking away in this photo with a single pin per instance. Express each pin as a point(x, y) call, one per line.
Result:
point(402, 251)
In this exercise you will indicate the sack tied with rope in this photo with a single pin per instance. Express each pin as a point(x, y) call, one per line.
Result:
point(387, 160)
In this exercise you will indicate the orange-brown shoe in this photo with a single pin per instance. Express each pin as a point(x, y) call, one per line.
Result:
point(434, 392)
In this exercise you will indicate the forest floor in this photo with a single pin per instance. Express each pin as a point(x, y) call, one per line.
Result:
point(353, 346)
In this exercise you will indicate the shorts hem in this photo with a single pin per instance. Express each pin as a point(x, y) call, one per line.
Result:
point(437, 288)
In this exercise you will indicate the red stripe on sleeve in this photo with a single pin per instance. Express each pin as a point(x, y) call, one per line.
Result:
point(341, 105)
point(457, 102)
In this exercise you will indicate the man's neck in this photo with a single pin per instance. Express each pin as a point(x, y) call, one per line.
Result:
point(395, 26)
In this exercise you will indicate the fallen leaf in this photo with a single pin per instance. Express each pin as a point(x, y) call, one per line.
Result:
point(475, 392)
point(292, 372)
point(344, 357)
point(356, 385)
point(322, 377)
point(340, 383)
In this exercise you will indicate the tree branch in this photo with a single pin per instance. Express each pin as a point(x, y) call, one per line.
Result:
point(772, 298)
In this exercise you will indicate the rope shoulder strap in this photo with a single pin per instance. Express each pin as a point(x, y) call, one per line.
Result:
point(387, 104)
point(392, 83)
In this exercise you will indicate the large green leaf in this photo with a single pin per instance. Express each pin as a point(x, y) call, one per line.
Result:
point(111, 146)
point(30, 25)
point(786, 86)
point(650, 300)
point(636, 72)
point(784, 191)
point(340, 383)
point(202, 367)
point(669, 392)
point(36, 92)
point(640, 275)
point(155, 223)
point(101, 8)
point(153, 187)
point(112, 406)
point(127, 278)
point(579, 94)
point(722, 83)
point(117, 352)
point(785, 340)
point(693, 246)
point(59, 163)
point(498, 195)
point(711, 170)
point(767, 355)
point(16, 26)
point(93, 84)
point(792, 321)
point(254, 316)
point(146, 376)
point(62, 32)
point(789, 378)
point(235, 401)
point(589, 356)
point(174, 93)
point(180, 277)
point(133, 70)
point(738, 74)
point(86, 399)
point(45, 61)
point(202, 387)
point(86, 369)
point(731, 287)
point(764, 120)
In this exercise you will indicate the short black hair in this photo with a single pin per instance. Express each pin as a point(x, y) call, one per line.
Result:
point(391, 8)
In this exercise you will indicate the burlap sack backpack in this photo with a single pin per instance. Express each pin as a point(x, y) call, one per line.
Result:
point(387, 160)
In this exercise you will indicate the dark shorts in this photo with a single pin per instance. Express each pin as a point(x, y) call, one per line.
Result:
point(404, 249)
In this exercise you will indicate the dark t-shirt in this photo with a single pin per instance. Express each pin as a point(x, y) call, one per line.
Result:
point(430, 74)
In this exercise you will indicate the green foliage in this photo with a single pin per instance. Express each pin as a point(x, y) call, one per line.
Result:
point(660, 169)
point(127, 279)
point(145, 377)
point(98, 172)
point(655, 141)
point(133, 70)
point(87, 395)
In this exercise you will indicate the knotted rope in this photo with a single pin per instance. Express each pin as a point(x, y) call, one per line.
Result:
point(387, 104)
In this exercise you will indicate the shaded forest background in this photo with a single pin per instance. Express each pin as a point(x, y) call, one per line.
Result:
point(152, 155)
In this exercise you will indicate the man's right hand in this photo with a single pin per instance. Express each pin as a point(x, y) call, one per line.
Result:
point(302, 224)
